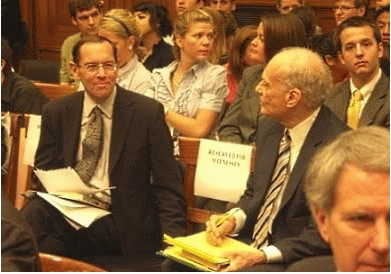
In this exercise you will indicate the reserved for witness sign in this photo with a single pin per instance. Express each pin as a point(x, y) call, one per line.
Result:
point(222, 170)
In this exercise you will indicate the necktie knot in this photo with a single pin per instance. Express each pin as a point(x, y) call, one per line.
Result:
point(357, 95)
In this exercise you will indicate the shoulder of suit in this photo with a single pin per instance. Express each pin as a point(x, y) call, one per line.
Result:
point(136, 98)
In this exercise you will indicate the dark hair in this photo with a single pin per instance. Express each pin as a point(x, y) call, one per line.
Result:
point(281, 31)
point(307, 16)
point(75, 6)
point(159, 18)
point(382, 10)
point(90, 40)
point(241, 41)
point(6, 55)
point(356, 21)
point(324, 45)
point(230, 24)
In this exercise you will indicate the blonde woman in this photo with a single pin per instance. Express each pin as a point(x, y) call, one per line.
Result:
point(119, 26)
point(191, 89)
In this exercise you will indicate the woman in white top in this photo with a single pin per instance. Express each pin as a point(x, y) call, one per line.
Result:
point(191, 89)
point(120, 27)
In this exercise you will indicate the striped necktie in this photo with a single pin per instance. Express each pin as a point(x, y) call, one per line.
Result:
point(92, 147)
point(353, 115)
point(280, 175)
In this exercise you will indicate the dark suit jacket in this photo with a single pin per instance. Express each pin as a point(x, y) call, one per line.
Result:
point(141, 146)
point(293, 232)
point(240, 121)
point(376, 110)
point(313, 264)
point(19, 249)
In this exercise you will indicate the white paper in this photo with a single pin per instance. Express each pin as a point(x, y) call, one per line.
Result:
point(63, 180)
point(222, 170)
point(31, 145)
point(82, 214)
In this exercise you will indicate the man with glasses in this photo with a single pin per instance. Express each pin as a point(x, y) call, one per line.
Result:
point(115, 138)
point(344, 9)
point(86, 15)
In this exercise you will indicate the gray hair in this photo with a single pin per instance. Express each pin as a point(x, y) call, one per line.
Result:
point(367, 148)
point(305, 70)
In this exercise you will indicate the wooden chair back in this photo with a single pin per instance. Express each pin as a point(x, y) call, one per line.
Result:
point(55, 263)
point(188, 154)
point(54, 91)
point(16, 179)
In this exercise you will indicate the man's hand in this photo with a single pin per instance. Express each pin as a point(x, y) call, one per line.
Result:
point(243, 259)
point(215, 234)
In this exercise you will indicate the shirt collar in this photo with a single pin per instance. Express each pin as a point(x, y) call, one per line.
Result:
point(125, 70)
point(367, 88)
point(106, 107)
point(300, 131)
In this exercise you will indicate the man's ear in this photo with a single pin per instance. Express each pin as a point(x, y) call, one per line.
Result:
point(361, 11)
point(233, 6)
point(179, 41)
point(322, 221)
point(74, 22)
point(330, 60)
point(293, 97)
point(381, 50)
point(74, 69)
point(132, 42)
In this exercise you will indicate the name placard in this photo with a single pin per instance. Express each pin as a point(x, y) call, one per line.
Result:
point(222, 170)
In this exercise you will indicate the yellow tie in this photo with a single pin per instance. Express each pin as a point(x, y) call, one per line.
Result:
point(354, 110)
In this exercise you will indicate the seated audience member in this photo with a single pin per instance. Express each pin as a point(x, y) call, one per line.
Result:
point(243, 54)
point(365, 98)
point(86, 15)
point(185, 5)
point(18, 94)
point(382, 19)
point(230, 26)
point(154, 24)
point(272, 213)
point(134, 141)
point(275, 32)
point(344, 9)
point(325, 46)
point(119, 26)
point(191, 89)
point(223, 5)
point(19, 249)
point(285, 6)
point(348, 188)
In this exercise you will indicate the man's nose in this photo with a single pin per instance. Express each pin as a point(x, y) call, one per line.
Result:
point(381, 238)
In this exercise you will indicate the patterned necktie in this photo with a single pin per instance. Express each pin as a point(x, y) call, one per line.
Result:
point(92, 147)
point(354, 110)
point(280, 175)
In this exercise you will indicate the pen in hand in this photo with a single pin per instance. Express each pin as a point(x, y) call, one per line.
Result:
point(226, 217)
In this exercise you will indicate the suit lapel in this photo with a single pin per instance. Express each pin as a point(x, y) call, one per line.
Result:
point(123, 113)
point(342, 102)
point(375, 102)
point(313, 139)
point(73, 117)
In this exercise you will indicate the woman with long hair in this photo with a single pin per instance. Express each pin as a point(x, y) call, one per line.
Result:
point(191, 89)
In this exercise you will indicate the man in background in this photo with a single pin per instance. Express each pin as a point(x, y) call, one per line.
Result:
point(223, 5)
point(184, 5)
point(365, 98)
point(348, 188)
point(285, 6)
point(344, 9)
point(86, 15)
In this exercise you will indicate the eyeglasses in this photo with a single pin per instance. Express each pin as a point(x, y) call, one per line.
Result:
point(343, 8)
point(94, 68)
